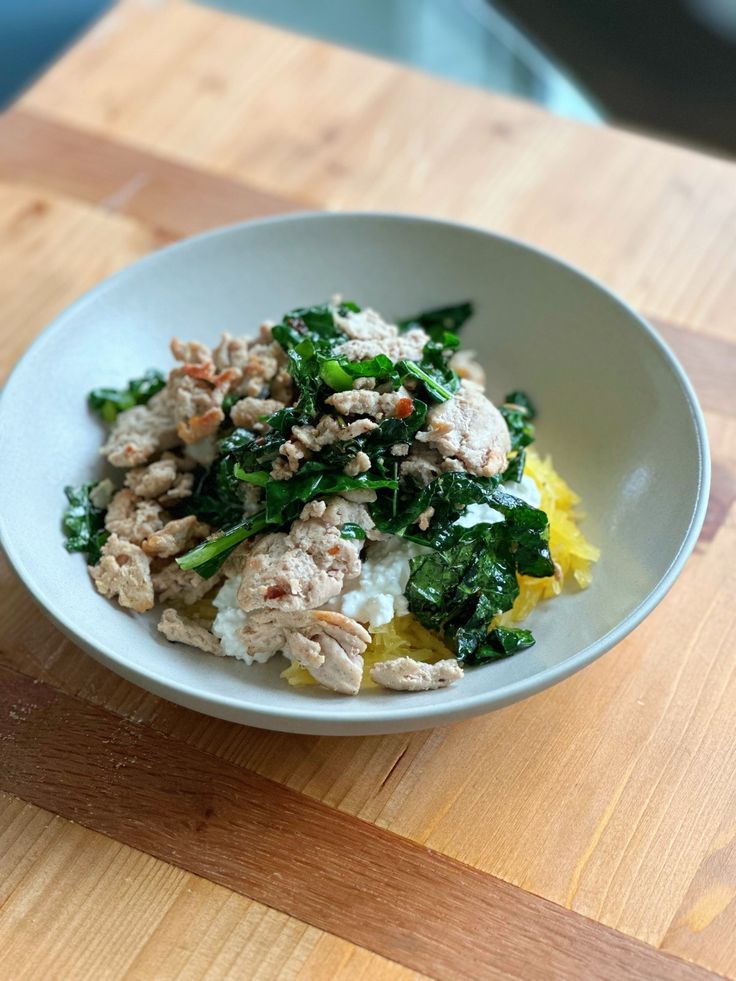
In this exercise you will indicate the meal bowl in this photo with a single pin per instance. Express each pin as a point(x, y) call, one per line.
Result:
point(617, 413)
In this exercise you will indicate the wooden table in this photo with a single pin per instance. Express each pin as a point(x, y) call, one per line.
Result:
point(588, 832)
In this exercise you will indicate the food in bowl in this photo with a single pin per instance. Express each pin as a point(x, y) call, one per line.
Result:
point(338, 490)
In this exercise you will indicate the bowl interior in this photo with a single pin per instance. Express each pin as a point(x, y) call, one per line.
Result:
point(615, 413)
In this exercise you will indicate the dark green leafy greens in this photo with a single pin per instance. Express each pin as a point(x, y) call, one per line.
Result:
point(109, 402)
point(439, 320)
point(84, 523)
point(459, 588)
point(519, 413)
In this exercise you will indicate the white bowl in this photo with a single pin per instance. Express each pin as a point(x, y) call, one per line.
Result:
point(617, 414)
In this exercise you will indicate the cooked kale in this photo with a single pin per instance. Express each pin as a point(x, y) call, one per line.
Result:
point(208, 557)
point(109, 402)
point(519, 412)
point(351, 531)
point(460, 586)
point(440, 319)
point(84, 523)
point(286, 498)
point(339, 373)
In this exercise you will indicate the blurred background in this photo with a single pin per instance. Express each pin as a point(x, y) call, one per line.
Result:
point(666, 67)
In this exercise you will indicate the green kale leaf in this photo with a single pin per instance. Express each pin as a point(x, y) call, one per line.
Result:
point(84, 523)
point(109, 402)
point(440, 319)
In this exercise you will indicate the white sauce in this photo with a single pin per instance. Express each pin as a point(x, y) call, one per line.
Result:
point(378, 595)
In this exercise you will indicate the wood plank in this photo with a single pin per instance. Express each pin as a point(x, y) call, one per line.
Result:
point(76, 904)
point(52, 249)
point(174, 198)
point(655, 222)
point(346, 876)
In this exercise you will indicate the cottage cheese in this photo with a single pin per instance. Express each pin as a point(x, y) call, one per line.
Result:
point(378, 595)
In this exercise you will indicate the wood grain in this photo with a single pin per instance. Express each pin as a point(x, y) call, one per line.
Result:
point(174, 198)
point(327, 126)
point(235, 828)
point(76, 904)
point(52, 249)
point(412, 784)
point(613, 793)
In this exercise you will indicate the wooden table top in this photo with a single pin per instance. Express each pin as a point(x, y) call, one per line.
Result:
point(589, 831)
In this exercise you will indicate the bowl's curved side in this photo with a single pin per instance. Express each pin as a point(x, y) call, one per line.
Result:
point(251, 271)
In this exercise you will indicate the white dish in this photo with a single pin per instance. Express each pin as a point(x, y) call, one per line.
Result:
point(616, 412)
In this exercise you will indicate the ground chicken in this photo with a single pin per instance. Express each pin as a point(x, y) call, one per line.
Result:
point(141, 432)
point(124, 571)
point(155, 479)
point(329, 430)
point(183, 630)
point(360, 463)
point(176, 537)
point(330, 646)
point(469, 428)
point(248, 412)
point(132, 518)
point(406, 674)
point(362, 402)
point(174, 585)
point(370, 335)
point(197, 405)
point(303, 569)
point(464, 363)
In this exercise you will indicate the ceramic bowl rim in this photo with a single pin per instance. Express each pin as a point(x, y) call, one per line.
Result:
point(320, 713)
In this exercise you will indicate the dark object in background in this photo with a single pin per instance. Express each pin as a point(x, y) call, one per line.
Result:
point(663, 65)
point(33, 33)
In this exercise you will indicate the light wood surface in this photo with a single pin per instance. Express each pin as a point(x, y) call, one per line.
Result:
point(612, 795)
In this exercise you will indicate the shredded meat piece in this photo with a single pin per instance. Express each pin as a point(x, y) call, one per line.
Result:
point(292, 453)
point(174, 585)
point(258, 362)
point(184, 630)
point(370, 335)
point(328, 430)
point(464, 363)
point(197, 405)
point(470, 428)
point(424, 518)
point(191, 352)
point(365, 325)
point(422, 464)
point(360, 463)
point(409, 346)
point(155, 479)
point(330, 646)
point(406, 674)
point(265, 632)
point(362, 402)
point(282, 387)
point(176, 537)
point(307, 567)
point(133, 519)
point(124, 570)
point(315, 509)
point(248, 412)
point(400, 449)
point(231, 352)
point(139, 433)
point(181, 488)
